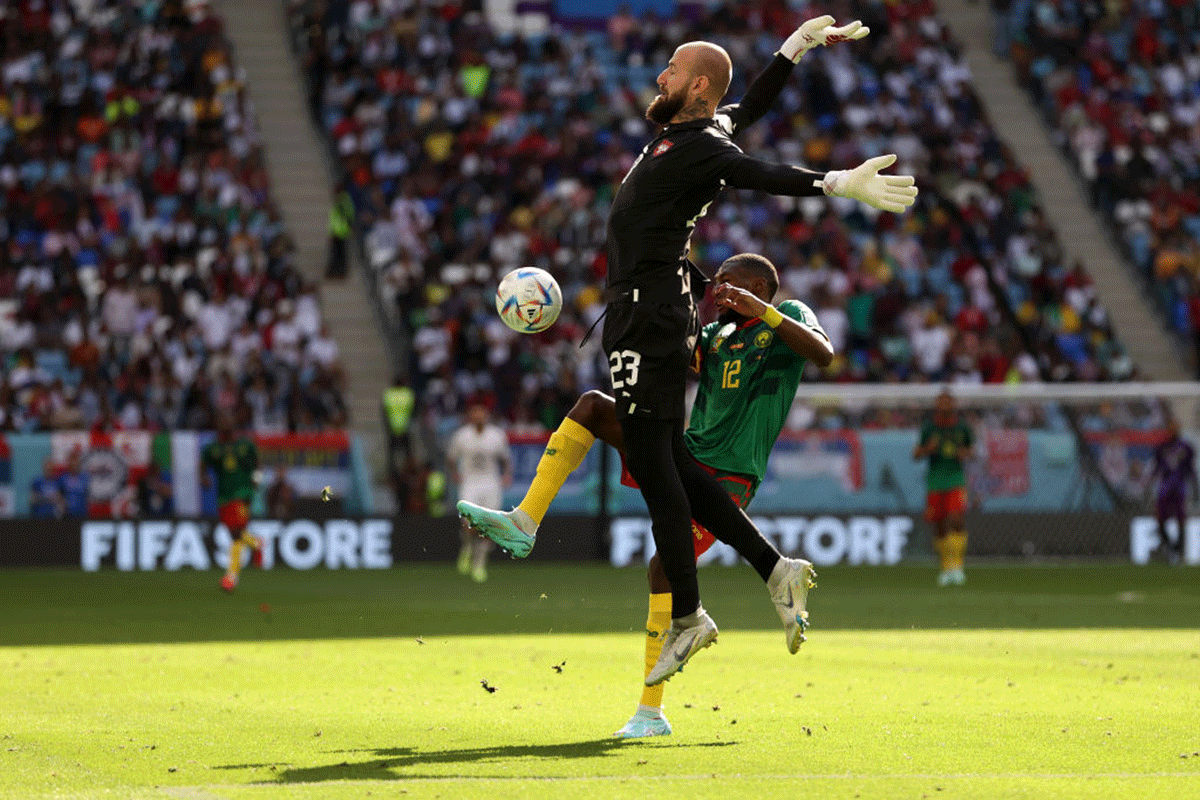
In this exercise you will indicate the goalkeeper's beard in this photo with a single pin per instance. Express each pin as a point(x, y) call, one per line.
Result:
point(664, 107)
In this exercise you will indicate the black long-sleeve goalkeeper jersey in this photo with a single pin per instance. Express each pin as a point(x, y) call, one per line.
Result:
point(680, 173)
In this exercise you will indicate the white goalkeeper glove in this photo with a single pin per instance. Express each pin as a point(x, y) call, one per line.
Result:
point(819, 30)
point(892, 193)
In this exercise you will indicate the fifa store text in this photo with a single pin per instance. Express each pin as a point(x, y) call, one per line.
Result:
point(301, 544)
point(823, 540)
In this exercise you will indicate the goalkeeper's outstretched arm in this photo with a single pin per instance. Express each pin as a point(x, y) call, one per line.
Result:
point(765, 88)
point(893, 193)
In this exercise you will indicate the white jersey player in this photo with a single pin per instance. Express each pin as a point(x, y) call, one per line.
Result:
point(481, 465)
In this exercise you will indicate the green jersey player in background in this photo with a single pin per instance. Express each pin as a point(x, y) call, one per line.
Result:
point(749, 362)
point(946, 441)
point(233, 461)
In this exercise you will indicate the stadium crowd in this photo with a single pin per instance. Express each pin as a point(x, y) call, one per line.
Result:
point(1121, 84)
point(146, 280)
point(469, 153)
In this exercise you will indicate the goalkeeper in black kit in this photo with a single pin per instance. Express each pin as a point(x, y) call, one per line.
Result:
point(651, 325)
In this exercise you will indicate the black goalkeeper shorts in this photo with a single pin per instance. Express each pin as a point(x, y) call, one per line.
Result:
point(649, 348)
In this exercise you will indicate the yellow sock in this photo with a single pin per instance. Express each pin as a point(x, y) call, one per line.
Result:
point(253, 542)
point(235, 558)
point(657, 622)
point(956, 547)
point(943, 551)
point(564, 452)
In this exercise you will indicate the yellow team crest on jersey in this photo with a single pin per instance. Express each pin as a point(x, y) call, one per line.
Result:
point(763, 339)
point(716, 345)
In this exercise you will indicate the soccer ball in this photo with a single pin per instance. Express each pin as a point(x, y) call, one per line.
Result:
point(528, 300)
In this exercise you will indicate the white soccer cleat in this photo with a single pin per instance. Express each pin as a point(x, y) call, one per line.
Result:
point(945, 577)
point(789, 584)
point(680, 645)
point(643, 724)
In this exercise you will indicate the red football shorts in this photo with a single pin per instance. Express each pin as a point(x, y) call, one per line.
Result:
point(235, 515)
point(941, 504)
point(740, 487)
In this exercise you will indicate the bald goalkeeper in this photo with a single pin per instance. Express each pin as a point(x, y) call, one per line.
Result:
point(651, 326)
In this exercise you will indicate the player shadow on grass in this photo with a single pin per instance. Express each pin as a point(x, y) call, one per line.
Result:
point(390, 758)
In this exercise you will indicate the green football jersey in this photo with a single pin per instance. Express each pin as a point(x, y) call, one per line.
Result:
point(946, 470)
point(234, 464)
point(748, 379)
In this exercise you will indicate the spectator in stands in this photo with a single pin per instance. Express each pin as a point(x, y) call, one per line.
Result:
point(156, 499)
point(398, 403)
point(74, 486)
point(45, 498)
point(322, 354)
point(341, 219)
point(118, 310)
point(930, 342)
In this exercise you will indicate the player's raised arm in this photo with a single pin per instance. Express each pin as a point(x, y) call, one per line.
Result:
point(741, 171)
point(808, 341)
point(766, 87)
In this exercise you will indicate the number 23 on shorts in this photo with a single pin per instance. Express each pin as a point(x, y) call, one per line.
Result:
point(624, 363)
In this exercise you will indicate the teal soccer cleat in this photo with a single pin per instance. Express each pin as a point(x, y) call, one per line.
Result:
point(498, 526)
point(643, 724)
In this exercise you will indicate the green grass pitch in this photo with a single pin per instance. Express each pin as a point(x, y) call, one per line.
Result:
point(1030, 682)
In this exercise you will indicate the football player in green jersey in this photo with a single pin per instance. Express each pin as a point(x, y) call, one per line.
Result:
point(749, 362)
point(234, 461)
point(946, 441)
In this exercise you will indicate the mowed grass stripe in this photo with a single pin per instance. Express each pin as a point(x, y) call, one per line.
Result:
point(65, 607)
point(962, 704)
point(153, 685)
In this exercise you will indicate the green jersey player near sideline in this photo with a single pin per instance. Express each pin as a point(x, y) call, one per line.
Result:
point(233, 461)
point(750, 362)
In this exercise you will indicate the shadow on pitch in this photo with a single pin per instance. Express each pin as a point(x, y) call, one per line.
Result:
point(383, 761)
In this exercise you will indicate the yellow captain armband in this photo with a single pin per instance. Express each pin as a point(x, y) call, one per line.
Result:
point(772, 316)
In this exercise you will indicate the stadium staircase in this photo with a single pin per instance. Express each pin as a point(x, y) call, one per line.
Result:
point(302, 182)
point(1138, 325)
